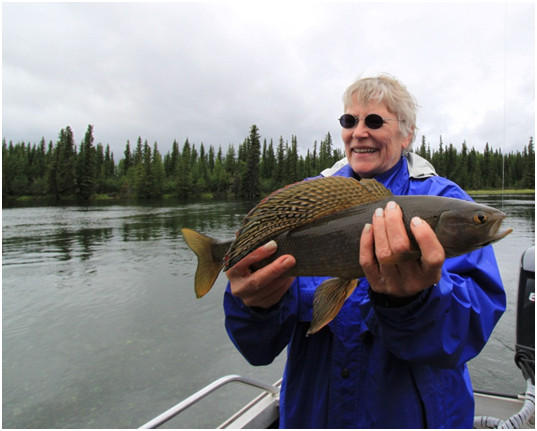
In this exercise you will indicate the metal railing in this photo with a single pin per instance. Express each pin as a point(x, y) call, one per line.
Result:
point(202, 393)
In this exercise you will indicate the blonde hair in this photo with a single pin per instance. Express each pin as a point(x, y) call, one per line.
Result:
point(388, 90)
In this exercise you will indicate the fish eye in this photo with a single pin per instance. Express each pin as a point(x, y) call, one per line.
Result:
point(480, 218)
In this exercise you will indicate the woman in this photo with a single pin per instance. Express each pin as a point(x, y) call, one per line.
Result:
point(395, 356)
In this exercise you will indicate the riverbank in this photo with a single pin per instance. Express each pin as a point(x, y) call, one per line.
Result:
point(104, 199)
point(499, 192)
point(26, 200)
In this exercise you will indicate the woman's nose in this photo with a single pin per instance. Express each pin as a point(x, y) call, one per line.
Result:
point(360, 130)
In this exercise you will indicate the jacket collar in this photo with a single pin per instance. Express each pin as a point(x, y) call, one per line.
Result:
point(409, 166)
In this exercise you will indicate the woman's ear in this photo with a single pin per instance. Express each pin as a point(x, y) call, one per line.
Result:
point(408, 140)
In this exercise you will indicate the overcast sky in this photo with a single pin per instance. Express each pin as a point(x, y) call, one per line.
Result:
point(207, 71)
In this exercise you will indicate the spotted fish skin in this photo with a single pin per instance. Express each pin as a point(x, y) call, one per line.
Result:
point(297, 205)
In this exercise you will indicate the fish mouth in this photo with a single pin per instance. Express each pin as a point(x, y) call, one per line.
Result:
point(499, 236)
point(494, 230)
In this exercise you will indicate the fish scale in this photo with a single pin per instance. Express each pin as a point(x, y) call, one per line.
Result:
point(299, 204)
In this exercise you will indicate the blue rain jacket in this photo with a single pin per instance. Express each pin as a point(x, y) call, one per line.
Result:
point(375, 366)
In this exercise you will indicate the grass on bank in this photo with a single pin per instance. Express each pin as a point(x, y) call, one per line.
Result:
point(499, 192)
point(103, 197)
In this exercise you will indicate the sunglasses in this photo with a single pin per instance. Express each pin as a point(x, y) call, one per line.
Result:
point(373, 121)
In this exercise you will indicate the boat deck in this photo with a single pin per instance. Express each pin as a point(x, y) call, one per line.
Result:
point(262, 412)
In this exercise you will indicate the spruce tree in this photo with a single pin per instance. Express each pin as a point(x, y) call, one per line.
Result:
point(528, 179)
point(250, 179)
point(157, 173)
point(86, 177)
point(210, 159)
point(138, 155)
point(65, 169)
point(109, 165)
point(144, 175)
point(5, 160)
point(99, 167)
point(474, 170)
point(314, 160)
point(183, 185)
point(174, 159)
point(127, 158)
point(423, 148)
point(325, 153)
point(202, 171)
point(487, 166)
point(280, 164)
point(292, 162)
point(52, 167)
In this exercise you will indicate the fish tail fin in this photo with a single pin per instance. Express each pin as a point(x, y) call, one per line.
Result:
point(208, 267)
point(328, 300)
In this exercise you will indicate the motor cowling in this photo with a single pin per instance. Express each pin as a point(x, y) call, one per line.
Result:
point(525, 324)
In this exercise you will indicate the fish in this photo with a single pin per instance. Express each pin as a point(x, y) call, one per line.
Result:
point(320, 222)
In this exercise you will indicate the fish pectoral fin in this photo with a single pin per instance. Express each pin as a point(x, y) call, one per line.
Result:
point(328, 300)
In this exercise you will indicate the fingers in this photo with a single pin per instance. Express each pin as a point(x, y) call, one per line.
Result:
point(388, 259)
point(243, 266)
point(268, 294)
point(264, 287)
point(432, 252)
point(272, 272)
point(395, 229)
point(368, 261)
point(391, 239)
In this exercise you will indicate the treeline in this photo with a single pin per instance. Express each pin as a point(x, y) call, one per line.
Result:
point(64, 171)
point(490, 169)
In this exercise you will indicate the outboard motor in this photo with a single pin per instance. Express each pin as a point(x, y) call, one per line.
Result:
point(524, 348)
point(525, 324)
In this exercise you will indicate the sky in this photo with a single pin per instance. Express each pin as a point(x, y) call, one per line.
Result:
point(208, 71)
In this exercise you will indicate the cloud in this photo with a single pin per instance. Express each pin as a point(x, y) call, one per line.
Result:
point(208, 71)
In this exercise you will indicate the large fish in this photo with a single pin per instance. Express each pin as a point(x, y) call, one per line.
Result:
point(320, 222)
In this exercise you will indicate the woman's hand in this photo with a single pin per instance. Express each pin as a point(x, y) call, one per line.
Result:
point(385, 251)
point(266, 286)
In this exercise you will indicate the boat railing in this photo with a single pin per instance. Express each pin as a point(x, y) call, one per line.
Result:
point(271, 391)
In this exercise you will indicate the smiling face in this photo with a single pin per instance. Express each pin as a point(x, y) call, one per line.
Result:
point(373, 151)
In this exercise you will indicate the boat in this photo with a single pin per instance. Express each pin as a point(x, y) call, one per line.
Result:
point(519, 411)
point(492, 410)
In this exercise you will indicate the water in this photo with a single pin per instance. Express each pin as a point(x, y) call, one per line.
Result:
point(493, 369)
point(101, 328)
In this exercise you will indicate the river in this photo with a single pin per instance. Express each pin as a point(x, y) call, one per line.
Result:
point(101, 328)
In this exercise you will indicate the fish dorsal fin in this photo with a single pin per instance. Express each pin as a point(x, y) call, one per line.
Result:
point(299, 204)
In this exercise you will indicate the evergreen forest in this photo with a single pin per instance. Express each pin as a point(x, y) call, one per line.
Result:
point(62, 171)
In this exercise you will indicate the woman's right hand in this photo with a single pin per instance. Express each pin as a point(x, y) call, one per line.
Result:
point(266, 286)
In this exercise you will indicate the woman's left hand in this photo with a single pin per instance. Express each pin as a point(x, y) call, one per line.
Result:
point(385, 251)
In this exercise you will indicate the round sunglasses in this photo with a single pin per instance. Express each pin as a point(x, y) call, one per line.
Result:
point(373, 121)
